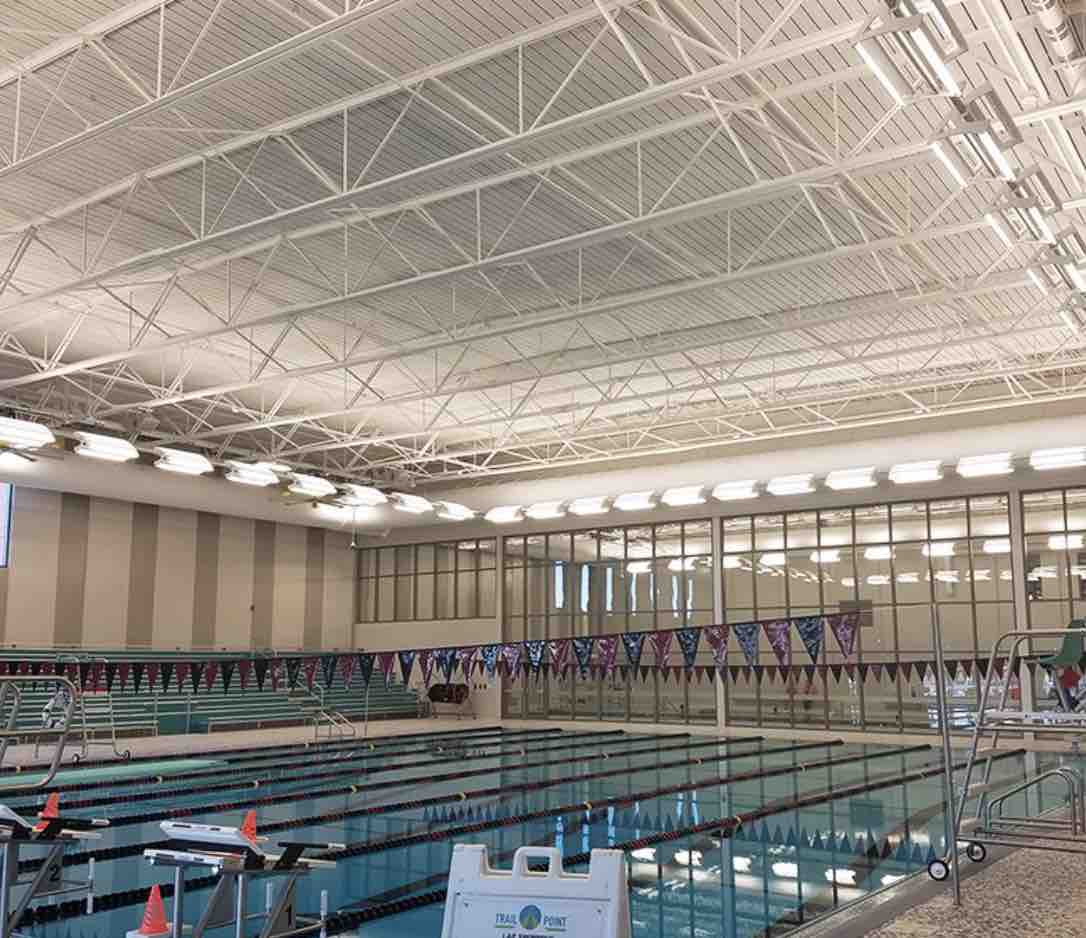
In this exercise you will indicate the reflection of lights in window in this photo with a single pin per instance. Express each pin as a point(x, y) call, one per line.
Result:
point(938, 549)
point(1065, 542)
point(830, 555)
point(688, 857)
point(1006, 575)
point(1042, 573)
point(848, 582)
point(878, 552)
point(980, 576)
point(646, 854)
point(842, 876)
point(559, 585)
point(731, 563)
point(741, 864)
point(679, 564)
point(785, 870)
point(638, 566)
point(878, 579)
point(908, 578)
point(997, 545)
point(946, 576)
point(889, 879)
point(775, 559)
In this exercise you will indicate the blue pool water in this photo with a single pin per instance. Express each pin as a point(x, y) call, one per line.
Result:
point(835, 822)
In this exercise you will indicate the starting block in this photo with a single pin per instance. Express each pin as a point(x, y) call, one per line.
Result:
point(521, 903)
point(237, 856)
point(55, 834)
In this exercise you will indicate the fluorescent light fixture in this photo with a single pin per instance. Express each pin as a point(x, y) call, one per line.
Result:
point(310, 486)
point(363, 496)
point(679, 564)
point(644, 854)
point(636, 501)
point(798, 484)
point(930, 470)
point(844, 479)
point(785, 870)
point(908, 578)
point(1066, 457)
point(826, 555)
point(412, 504)
point(938, 549)
point(683, 495)
point(981, 575)
point(946, 576)
point(1076, 276)
point(545, 511)
point(1041, 224)
point(731, 563)
point(848, 582)
point(842, 876)
point(950, 157)
point(452, 511)
point(885, 70)
point(1038, 282)
point(182, 462)
point(1000, 164)
point(589, 505)
point(741, 864)
point(688, 857)
point(109, 448)
point(505, 514)
point(256, 473)
point(24, 434)
point(736, 491)
point(1065, 542)
point(996, 545)
point(774, 559)
point(889, 879)
point(879, 552)
point(1000, 228)
point(639, 566)
point(878, 579)
point(990, 464)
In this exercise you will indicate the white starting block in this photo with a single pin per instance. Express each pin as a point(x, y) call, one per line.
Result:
point(238, 857)
point(520, 903)
point(55, 834)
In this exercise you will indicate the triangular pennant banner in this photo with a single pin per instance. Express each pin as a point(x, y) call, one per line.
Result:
point(328, 670)
point(227, 674)
point(111, 675)
point(275, 668)
point(535, 649)
point(844, 625)
point(558, 652)
point(211, 672)
point(689, 640)
point(608, 646)
point(346, 669)
point(165, 673)
point(717, 637)
point(407, 664)
point(661, 645)
point(260, 668)
point(491, 654)
point(811, 631)
point(365, 667)
point(746, 633)
point(779, 634)
point(245, 667)
point(582, 651)
point(446, 661)
point(137, 675)
point(294, 667)
point(466, 657)
point(386, 661)
point(634, 643)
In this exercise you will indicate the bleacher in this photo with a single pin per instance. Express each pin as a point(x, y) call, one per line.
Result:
point(158, 712)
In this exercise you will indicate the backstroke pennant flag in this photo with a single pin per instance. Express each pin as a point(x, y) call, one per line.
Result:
point(293, 664)
point(227, 675)
point(183, 670)
point(328, 670)
point(746, 633)
point(210, 673)
point(467, 659)
point(634, 642)
point(558, 651)
point(260, 667)
point(386, 661)
point(779, 633)
point(365, 667)
point(426, 665)
point(535, 649)
point(717, 637)
point(346, 669)
point(310, 667)
point(844, 626)
point(276, 668)
point(608, 645)
point(490, 655)
point(688, 639)
point(582, 651)
point(811, 632)
point(446, 661)
point(407, 665)
point(244, 667)
point(511, 658)
point(661, 644)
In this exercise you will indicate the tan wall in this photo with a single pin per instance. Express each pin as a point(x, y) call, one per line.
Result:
point(104, 573)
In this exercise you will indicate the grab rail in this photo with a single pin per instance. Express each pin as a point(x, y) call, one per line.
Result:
point(60, 734)
point(1075, 799)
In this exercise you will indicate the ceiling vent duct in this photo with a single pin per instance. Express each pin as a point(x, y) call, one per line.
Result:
point(1059, 32)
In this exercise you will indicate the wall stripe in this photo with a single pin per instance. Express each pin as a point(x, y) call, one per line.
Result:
point(32, 578)
point(314, 588)
point(263, 583)
point(205, 587)
point(288, 606)
point(109, 563)
point(72, 568)
point(141, 580)
point(176, 578)
point(234, 612)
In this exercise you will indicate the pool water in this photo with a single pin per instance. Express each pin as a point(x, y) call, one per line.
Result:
point(823, 824)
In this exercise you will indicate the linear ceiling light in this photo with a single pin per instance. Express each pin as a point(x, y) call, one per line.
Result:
point(879, 552)
point(108, 448)
point(889, 73)
point(1065, 542)
point(636, 501)
point(505, 514)
point(773, 559)
point(996, 545)
point(361, 496)
point(844, 479)
point(589, 505)
point(949, 156)
point(905, 473)
point(938, 549)
point(24, 434)
point(411, 504)
point(452, 511)
point(344, 514)
point(256, 474)
point(736, 491)
point(1066, 457)
point(545, 511)
point(683, 495)
point(798, 484)
point(826, 555)
point(310, 486)
point(990, 464)
point(182, 462)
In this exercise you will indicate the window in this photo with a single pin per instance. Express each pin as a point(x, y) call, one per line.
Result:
point(7, 494)
point(457, 580)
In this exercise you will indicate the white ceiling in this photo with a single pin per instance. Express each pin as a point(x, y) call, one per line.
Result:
point(418, 242)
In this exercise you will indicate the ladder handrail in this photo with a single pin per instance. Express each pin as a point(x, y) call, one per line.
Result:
point(60, 734)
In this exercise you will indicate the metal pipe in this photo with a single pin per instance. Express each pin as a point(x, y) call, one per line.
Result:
point(949, 825)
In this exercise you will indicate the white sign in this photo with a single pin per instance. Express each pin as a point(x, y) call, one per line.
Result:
point(519, 903)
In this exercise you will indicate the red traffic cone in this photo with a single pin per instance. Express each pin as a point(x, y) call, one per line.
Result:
point(154, 917)
point(248, 826)
point(50, 811)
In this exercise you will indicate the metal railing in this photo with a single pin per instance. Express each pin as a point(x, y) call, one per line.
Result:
point(11, 688)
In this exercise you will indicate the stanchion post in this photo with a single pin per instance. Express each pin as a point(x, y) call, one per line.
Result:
point(948, 759)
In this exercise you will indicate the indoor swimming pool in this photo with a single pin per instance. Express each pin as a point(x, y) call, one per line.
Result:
point(725, 837)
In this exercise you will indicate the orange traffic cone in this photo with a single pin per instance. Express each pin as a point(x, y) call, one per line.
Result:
point(248, 826)
point(154, 917)
point(50, 811)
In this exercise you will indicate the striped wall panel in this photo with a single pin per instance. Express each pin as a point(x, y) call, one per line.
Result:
point(103, 573)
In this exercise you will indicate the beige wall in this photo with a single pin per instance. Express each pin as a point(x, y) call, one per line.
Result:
point(103, 573)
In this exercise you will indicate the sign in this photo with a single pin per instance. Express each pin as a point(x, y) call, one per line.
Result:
point(523, 903)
